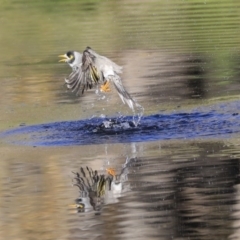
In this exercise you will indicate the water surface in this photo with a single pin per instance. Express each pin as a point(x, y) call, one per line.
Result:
point(181, 63)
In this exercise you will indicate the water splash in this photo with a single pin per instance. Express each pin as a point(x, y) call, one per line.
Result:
point(136, 108)
point(201, 123)
point(137, 114)
point(100, 94)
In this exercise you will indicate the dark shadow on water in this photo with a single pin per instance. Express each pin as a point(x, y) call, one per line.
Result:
point(200, 123)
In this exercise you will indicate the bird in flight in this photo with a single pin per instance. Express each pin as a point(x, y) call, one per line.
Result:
point(90, 69)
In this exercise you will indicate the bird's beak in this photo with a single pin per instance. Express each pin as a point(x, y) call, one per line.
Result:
point(64, 58)
point(75, 206)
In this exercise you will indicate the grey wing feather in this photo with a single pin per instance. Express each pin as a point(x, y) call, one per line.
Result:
point(79, 80)
point(83, 76)
point(104, 61)
point(122, 92)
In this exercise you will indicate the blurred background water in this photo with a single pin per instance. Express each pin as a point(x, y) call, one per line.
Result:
point(181, 63)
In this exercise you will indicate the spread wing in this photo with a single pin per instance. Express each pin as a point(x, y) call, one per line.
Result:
point(78, 81)
point(84, 76)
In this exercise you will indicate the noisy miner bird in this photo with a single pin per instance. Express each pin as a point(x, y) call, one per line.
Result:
point(98, 189)
point(90, 69)
point(92, 188)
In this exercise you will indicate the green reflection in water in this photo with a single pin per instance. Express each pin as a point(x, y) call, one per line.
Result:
point(33, 33)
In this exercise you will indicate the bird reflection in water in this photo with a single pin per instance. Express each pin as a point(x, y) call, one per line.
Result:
point(98, 189)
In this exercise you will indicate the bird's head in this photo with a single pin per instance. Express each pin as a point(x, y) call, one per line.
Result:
point(73, 58)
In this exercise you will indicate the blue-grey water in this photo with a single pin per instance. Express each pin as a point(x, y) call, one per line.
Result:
point(180, 62)
point(203, 123)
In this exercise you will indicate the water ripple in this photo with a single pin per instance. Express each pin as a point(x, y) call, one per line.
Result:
point(196, 124)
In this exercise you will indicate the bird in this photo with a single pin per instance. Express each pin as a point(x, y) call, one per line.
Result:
point(90, 69)
point(98, 189)
point(92, 186)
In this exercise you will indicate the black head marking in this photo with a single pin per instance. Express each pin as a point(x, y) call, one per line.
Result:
point(70, 53)
point(71, 56)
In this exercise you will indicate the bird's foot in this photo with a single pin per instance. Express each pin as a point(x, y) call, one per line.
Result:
point(105, 87)
point(111, 171)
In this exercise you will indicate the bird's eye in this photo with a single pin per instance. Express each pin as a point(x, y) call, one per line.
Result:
point(70, 55)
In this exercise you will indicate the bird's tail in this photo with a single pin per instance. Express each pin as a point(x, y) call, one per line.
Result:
point(124, 95)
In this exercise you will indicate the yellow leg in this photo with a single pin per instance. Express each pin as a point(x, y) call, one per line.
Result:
point(105, 87)
point(111, 171)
